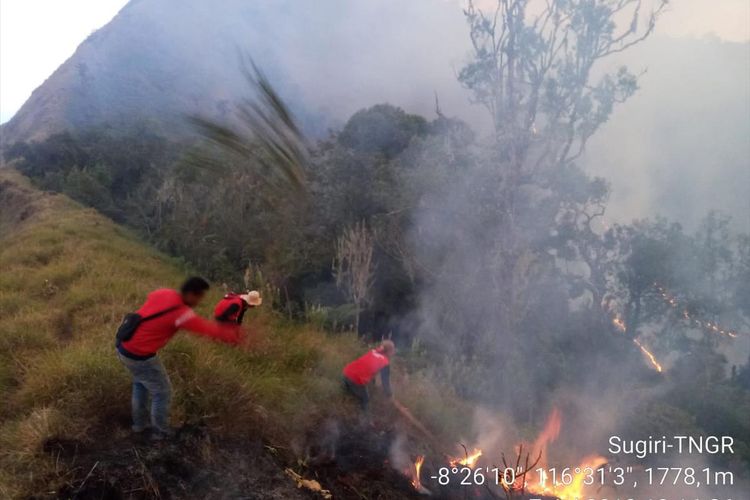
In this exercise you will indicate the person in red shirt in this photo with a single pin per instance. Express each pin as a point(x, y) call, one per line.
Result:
point(232, 307)
point(170, 311)
point(362, 370)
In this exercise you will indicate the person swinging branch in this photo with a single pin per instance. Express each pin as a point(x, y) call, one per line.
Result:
point(358, 374)
point(143, 333)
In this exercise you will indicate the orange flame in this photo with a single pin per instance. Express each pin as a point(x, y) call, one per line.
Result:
point(620, 325)
point(649, 356)
point(416, 481)
point(542, 485)
point(548, 435)
point(574, 490)
point(709, 325)
point(469, 460)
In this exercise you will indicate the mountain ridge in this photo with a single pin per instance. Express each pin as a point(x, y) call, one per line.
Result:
point(159, 60)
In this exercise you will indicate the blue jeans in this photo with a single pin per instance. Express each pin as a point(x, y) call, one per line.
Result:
point(358, 391)
point(149, 378)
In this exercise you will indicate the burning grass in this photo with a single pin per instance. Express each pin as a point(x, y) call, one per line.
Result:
point(532, 469)
point(619, 323)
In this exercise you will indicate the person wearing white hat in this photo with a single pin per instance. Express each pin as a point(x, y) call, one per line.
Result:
point(252, 298)
point(232, 307)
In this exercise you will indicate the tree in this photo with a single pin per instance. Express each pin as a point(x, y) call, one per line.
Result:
point(532, 71)
point(489, 227)
point(268, 143)
point(382, 129)
point(353, 265)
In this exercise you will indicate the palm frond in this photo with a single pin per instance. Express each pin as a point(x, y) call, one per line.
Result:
point(267, 142)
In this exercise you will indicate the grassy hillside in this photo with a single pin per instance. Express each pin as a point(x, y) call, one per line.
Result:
point(68, 276)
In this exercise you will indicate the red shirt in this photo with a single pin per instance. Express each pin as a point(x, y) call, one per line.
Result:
point(363, 369)
point(154, 334)
point(230, 309)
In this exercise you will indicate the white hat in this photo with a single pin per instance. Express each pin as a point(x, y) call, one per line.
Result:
point(253, 298)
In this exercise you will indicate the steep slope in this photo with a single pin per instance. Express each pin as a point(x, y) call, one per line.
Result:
point(68, 275)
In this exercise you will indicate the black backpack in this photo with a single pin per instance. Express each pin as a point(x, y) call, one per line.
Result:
point(132, 321)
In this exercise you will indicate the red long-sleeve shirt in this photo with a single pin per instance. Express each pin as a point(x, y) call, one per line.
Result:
point(362, 370)
point(154, 334)
point(230, 309)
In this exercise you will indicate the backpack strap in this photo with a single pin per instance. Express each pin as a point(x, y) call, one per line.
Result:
point(160, 313)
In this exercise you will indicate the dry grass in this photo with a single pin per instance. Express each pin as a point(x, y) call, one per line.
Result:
point(68, 276)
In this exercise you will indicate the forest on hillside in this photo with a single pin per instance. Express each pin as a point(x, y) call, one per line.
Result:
point(488, 256)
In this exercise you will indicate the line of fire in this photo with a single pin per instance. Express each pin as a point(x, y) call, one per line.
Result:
point(525, 472)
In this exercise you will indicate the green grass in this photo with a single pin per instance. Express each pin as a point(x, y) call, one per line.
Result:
point(69, 275)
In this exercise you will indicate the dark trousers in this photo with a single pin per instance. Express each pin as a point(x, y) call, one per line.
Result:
point(358, 391)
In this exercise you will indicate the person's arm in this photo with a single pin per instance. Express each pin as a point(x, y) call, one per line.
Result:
point(242, 314)
point(225, 332)
point(385, 379)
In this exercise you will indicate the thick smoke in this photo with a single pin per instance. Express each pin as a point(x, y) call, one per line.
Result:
point(665, 156)
point(679, 148)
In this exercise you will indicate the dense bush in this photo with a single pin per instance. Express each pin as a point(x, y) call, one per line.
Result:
point(102, 168)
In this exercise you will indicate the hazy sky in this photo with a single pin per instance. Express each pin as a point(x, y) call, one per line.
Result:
point(36, 36)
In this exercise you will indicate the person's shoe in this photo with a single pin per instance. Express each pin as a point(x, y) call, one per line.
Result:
point(163, 434)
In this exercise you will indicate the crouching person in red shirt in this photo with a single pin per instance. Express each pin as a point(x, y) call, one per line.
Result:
point(362, 370)
point(232, 307)
point(164, 313)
